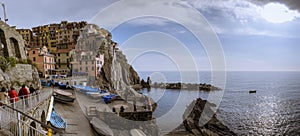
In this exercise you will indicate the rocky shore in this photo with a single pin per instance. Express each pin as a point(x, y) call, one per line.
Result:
point(190, 126)
point(187, 86)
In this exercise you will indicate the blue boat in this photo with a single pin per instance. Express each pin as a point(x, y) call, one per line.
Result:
point(57, 121)
point(44, 83)
point(86, 89)
point(108, 98)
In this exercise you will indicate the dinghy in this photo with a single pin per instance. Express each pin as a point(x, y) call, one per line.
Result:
point(101, 127)
point(57, 121)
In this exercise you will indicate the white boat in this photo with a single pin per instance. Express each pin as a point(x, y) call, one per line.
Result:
point(97, 94)
point(101, 127)
point(137, 132)
point(61, 92)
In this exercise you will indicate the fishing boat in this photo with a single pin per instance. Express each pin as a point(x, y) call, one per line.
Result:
point(109, 98)
point(101, 127)
point(44, 83)
point(63, 98)
point(252, 91)
point(57, 121)
point(61, 92)
point(86, 89)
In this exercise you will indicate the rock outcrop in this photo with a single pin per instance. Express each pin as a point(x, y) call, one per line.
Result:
point(187, 86)
point(20, 74)
point(116, 74)
point(190, 125)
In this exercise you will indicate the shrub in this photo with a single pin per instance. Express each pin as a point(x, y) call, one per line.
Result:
point(12, 61)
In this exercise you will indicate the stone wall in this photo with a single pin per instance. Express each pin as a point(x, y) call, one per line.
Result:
point(12, 41)
point(119, 123)
point(20, 74)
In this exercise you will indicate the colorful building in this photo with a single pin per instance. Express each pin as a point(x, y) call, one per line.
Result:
point(45, 61)
point(59, 39)
point(27, 36)
point(63, 61)
point(87, 59)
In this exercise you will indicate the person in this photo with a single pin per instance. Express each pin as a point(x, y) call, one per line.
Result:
point(23, 93)
point(31, 89)
point(68, 86)
point(122, 109)
point(13, 95)
point(3, 96)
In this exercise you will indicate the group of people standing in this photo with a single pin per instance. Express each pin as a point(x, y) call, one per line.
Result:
point(13, 96)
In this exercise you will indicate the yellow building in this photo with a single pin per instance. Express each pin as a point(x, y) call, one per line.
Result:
point(27, 36)
point(63, 61)
point(59, 39)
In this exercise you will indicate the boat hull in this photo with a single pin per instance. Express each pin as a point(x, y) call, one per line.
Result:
point(57, 121)
point(101, 127)
point(63, 98)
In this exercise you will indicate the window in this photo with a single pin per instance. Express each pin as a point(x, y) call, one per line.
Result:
point(58, 54)
point(86, 68)
point(67, 54)
point(86, 62)
point(33, 52)
point(93, 68)
point(80, 68)
point(101, 62)
point(33, 58)
point(92, 62)
point(80, 62)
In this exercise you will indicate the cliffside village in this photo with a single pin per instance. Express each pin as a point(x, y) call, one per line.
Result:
point(52, 48)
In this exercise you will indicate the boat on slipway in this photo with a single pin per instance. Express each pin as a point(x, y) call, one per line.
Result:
point(57, 121)
point(101, 127)
point(63, 96)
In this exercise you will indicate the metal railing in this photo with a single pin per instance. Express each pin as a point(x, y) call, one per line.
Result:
point(10, 119)
point(27, 102)
point(18, 127)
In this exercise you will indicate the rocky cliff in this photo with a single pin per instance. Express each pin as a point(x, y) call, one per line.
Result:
point(18, 75)
point(191, 127)
point(116, 74)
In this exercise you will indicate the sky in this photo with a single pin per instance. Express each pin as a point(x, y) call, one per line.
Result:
point(245, 35)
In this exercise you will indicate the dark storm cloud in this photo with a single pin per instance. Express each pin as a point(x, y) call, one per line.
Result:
point(292, 4)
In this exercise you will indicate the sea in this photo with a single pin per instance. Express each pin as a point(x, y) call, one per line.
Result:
point(273, 110)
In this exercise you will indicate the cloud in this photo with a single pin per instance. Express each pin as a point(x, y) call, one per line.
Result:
point(146, 21)
point(292, 4)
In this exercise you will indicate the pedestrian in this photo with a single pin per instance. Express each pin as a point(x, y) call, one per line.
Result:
point(122, 109)
point(3, 96)
point(23, 94)
point(32, 90)
point(13, 95)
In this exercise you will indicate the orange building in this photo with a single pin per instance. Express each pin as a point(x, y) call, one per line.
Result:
point(44, 60)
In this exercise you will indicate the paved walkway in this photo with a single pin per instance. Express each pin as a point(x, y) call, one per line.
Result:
point(77, 123)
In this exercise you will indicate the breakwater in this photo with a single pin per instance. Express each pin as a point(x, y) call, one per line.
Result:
point(187, 86)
